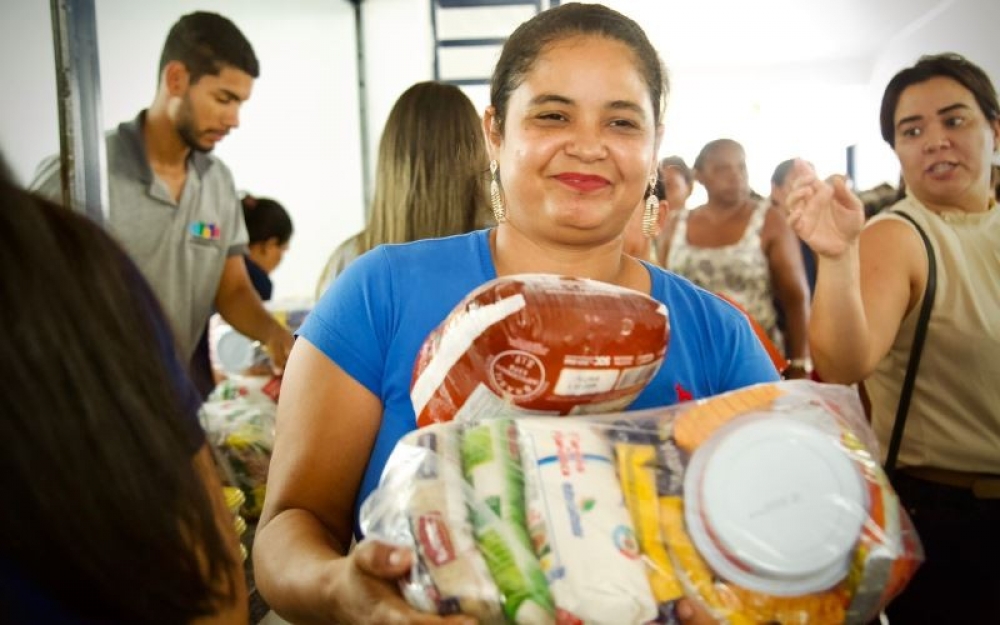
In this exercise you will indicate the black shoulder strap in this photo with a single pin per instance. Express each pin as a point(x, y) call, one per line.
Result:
point(918, 347)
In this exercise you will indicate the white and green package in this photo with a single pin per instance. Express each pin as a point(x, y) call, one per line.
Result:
point(579, 526)
point(492, 466)
point(437, 514)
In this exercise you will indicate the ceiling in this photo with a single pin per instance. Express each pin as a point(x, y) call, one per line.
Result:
point(735, 34)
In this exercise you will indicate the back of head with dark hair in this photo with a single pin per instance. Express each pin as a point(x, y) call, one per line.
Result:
point(430, 179)
point(266, 219)
point(676, 162)
point(781, 172)
point(105, 513)
point(947, 65)
point(205, 43)
point(530, 39)
point(660, 189)
point(710, 148)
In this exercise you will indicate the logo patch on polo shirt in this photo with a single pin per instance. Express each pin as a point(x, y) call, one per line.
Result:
point(206, 231)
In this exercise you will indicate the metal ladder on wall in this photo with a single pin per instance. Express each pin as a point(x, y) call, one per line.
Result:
point(468, 35)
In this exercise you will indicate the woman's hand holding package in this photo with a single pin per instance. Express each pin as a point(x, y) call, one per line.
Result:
point(367, 588)
point(824, 214)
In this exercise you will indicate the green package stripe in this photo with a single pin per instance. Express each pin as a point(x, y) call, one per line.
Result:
point(519, 579)
point(498, 516)
point(477, 448)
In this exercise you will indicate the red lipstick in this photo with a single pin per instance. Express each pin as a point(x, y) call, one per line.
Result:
point(584, 183)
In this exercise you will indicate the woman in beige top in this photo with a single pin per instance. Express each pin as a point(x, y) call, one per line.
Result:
point(942, 119)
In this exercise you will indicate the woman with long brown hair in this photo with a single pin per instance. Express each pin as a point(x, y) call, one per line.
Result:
point(430, 180)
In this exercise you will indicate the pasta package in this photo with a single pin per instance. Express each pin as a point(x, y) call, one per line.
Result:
point(637, 473)
point(766, 505)
point(540, 344)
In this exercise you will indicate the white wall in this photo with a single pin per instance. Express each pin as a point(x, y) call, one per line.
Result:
point(29, 124)
point(299, 135)
point(790, 112)
point(968, 27)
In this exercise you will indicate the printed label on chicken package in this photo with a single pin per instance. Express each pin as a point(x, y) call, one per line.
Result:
point(574, 382)
point(483, 405)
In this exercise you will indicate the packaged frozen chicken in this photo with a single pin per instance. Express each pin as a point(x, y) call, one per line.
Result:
point(536, 343)
point(765, 504)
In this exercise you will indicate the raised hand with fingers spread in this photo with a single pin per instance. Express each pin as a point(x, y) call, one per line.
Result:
point(824, 214)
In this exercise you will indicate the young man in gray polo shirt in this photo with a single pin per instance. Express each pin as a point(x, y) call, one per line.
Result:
point(173, 206)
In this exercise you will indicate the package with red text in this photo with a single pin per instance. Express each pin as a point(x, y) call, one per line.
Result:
point(540, 344)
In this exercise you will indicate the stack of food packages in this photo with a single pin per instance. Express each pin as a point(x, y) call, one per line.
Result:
point(239, 423)
point(234, 501)
point(765, 504)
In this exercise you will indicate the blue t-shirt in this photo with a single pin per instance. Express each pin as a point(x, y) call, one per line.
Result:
point(375, 316)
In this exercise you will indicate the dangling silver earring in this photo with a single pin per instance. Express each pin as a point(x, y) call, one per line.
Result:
point(652, 213)
point(499, 210)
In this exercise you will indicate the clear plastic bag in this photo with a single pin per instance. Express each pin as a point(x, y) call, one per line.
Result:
point(239, 422)
point(765, 504)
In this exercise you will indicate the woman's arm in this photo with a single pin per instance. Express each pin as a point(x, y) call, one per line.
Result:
point(667, 236)
point(788, 276)
point(866, 282)
point(326, 428)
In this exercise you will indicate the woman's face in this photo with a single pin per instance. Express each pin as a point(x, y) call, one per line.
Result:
point(270, 253)
point(677, 188)
point(724, 175)
point(944, 143)
point(578, 145)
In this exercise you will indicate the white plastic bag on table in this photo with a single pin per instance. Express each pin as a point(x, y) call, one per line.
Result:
point(238, 419)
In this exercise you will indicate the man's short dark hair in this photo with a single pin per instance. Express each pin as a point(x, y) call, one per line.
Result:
point(205, 43)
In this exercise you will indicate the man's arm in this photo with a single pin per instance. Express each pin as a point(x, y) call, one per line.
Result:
point(238, 303)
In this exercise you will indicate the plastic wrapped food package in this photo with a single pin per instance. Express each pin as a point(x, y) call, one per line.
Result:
point(540, 344)
point(765, 504)
point(430, 515)
point(491, 463)
point(239, 423)
point(235, 499)
point(234, 353)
